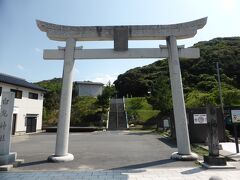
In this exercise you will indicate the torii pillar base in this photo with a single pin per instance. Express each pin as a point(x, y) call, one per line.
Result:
point(66, 158)
point(184, 157)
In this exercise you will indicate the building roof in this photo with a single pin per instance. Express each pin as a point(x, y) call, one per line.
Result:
point(89, 83)
point(4, 78)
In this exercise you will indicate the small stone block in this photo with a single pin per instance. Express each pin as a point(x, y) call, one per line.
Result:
point(215, 178)
point(8, 159)
point(6, 167)
point(215, 160)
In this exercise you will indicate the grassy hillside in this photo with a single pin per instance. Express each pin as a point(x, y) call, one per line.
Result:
point(139, 111)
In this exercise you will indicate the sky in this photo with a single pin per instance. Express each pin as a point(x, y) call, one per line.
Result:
point(22, 43)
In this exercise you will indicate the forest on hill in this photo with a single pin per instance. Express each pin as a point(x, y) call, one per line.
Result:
point(199, 77)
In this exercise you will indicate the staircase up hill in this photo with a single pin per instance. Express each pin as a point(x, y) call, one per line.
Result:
point(117, 115)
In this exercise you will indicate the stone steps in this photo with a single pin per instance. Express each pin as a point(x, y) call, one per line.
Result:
point(117, 115)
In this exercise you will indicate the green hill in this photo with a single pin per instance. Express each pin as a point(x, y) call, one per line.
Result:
point(199, 77)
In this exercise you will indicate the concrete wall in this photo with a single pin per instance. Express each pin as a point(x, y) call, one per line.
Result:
point(25, 106)
point(89, 89)
point(198, 132)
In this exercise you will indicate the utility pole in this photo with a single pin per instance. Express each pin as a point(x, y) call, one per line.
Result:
point(220, 88)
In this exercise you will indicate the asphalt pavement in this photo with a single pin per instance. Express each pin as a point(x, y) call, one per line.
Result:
point(120, 155)
point(109, 150)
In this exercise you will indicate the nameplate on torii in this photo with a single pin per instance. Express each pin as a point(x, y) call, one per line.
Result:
point(132, 53)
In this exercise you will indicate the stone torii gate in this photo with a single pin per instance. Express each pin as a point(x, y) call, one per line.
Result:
point(120, 35)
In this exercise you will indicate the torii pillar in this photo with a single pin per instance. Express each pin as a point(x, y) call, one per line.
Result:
point(121, 35)
point(181, 126)
point(61, 148)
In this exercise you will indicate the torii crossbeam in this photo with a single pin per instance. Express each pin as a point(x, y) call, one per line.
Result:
point(121, 35)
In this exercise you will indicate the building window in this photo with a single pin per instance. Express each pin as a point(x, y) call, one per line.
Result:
point(32, 95)
point(18, 94)
point(0, 91)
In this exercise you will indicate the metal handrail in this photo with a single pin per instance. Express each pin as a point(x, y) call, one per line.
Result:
point(124, 107)
point(117, 113)
point(107, 121)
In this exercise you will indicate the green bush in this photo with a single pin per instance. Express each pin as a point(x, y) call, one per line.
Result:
point(139, 111)
point(199, 99)
point(85, 112)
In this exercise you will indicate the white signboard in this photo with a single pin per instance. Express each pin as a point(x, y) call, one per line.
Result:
point(6, 114)
point(166, 123)
point(200, 118)
point(235, 116)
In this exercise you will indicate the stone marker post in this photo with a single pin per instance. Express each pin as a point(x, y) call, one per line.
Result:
point(61, 150)
point(6, 115)
point(181, 126)
point(213, 143)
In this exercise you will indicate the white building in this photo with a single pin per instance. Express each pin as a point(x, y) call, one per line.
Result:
point(88, 88)
point(28, 103)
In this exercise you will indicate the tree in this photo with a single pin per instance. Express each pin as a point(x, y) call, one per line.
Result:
point(84, 111)
point(161, 97)
point(231, 97)
point(109, 91)
point(199, 99)
point(51, 100)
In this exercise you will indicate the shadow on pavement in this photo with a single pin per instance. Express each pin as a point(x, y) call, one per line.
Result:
point(168, 142)
point(34, 163)
point(146, 165)
point(193, 171)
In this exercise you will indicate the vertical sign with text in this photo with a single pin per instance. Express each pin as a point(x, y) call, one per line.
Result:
point(6, 114)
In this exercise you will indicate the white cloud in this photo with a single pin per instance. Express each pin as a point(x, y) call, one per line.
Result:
point(20, 67)
point(105, 78)
point(38, 50)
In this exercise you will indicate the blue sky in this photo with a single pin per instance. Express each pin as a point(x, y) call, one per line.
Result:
point(22, 43)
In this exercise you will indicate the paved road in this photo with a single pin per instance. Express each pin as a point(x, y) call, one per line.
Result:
point(111, 150)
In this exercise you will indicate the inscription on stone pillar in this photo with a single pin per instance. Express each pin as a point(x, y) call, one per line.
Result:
point(6, 122)
point(213, 159)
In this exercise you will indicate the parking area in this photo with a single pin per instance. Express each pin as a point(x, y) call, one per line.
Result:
point(109, 150)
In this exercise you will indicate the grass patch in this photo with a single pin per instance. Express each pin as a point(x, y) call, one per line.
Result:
point(140, 112)
point(144, 115)
point(164, 133)
point(199, 150)
point(137, 103)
